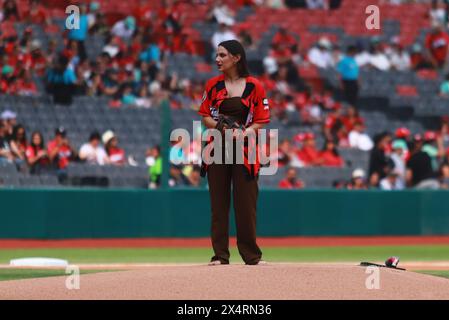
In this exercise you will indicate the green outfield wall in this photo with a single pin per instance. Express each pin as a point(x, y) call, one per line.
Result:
point(57, 214)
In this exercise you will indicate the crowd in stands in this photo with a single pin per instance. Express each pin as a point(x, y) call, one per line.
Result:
point(132, 71)
point(33, 154)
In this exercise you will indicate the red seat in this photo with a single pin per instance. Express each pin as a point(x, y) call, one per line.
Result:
point(427, 74)
point(406, 90)
point(203, 67)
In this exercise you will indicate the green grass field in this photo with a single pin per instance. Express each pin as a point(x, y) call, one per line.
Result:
point(198, 255)
point(202, 255)
point(17, 274)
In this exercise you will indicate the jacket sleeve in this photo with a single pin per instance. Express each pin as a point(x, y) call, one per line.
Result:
point(261, 107)
point(206, 103)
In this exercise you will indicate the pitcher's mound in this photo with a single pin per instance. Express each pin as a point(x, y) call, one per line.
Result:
point(272, 281)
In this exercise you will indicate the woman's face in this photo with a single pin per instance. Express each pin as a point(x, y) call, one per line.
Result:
point(351, 112)
point(225, 61)
point(36, 139)
point(330, 145)
point(20, 133)
point(285, 145)
point(114, 142)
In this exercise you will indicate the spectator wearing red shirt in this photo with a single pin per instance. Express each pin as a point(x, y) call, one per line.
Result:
point(116, 155)
point(308, 153)
point(291, 181)
point(25, 85)
point(36, 155)
point(330, 156)
point(437, 43)
point(333, 122)
point(351, 118)
point(181, 42)
point(283, 39)
point(282, 54)
point(10, 11)
point(144, 14)
point(36, 14)
point(60, 153)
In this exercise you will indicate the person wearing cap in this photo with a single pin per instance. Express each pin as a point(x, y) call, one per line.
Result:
point(308, 154)
point(436, 44)
point(420, 174)
point(115, 154)
point(433, 146)
point(357, 180)
point(417, 58)
point(399, 156)
point(348, 70)
point(9, 119)
point(320, 55)
point(60, 152)
point(124, 28)
point(392, 181)
point(93, 152)
point(6, 155)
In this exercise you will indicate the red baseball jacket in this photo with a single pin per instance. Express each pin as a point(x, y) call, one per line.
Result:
point(253, 97)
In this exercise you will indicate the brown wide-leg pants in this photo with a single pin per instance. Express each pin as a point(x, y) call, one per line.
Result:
point(245, 191)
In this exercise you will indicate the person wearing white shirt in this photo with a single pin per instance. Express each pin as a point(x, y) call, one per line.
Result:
point(379, 60)
point(391, 182)
point(222, 34)
point(320, 55)
point(316, 4)
point(360, 140)
point(399, 58)
point(362, 58)
point(92, 151)
point(222, 13)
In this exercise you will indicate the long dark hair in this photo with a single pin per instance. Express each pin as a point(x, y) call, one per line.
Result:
point(15, 133)
point(40, 146)
point(334, 150)
point(235, 48)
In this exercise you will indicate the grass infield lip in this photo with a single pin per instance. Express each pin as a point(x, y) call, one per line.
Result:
point(436, 273)
point(19, 273)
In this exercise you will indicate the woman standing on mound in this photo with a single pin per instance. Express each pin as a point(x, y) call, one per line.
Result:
point(238, 96)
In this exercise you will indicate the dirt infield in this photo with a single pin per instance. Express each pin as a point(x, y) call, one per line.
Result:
point(272, 281)
point(205, 242)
